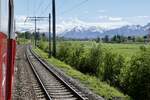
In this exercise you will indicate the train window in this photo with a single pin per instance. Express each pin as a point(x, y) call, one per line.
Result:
point(4, 16)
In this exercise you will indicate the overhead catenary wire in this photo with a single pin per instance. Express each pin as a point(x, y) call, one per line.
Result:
point(27, 7)
point(75, 7)
point(45, 9)
point(39, 6)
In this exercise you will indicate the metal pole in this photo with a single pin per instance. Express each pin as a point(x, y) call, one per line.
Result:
point(54, 28)
point(49, 35)
point(24, 38)
point(35, 33)
point(38, 34)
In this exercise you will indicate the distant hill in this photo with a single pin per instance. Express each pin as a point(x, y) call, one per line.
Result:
point(81, 32)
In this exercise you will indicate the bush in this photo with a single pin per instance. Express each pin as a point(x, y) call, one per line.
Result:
point(64, 52)
point(43, 45)
point(92, 62)
point(85, 61)
point(76, 56)
point(112, 67)
point(109, 63)
point(136, 77)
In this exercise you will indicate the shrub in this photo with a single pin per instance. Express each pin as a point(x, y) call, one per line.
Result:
point(93, 60)
point(112, 67)
point(76, 56)
point(109, 63)
point(136, 77)
point(119, 64)
point(64, 52)
point(142, 48)
point(43, 45)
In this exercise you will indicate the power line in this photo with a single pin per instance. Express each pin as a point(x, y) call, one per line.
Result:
point(74, 7)
point(46, 8)
point(34, 10)
point(27, 7)
point(40, 5)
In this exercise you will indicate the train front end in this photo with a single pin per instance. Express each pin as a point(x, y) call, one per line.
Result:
point(7, 48)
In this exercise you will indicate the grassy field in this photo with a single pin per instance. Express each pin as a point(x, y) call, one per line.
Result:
point(127, 50)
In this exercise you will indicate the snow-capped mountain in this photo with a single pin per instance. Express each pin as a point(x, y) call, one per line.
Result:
point(134, 30)
point(81, 32)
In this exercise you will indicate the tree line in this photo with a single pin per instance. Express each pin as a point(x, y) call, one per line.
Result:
point(123, 39)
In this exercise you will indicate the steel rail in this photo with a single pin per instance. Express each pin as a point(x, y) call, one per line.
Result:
point(38, 78)
point(58, 77)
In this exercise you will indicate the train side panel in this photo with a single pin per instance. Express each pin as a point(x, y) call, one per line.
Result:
point(10, 67)
point(3, 65)
point(11, 49)
point(7, 48)
point(4, 15)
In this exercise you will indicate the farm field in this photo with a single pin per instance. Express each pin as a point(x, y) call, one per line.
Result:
point(126, 50)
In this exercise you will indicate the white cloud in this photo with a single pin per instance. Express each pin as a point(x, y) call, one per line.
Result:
point(69, 24)
point(142, 16)
point(21, 25)
point(115, 18)
point(103, 17)
point(106, 22)
point(102, 11)
point(109, 18)
point(142, 20)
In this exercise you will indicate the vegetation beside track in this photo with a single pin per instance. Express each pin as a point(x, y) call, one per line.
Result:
point(22, 41)
point(132, 77)
point(92, 82)
point(123, 66)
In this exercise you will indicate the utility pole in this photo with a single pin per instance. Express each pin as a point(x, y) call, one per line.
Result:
point(54, 27)
point(35, 34)
point(50, 36)
point(38, 34)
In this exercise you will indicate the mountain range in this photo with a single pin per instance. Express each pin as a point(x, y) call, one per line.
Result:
point(81, 32)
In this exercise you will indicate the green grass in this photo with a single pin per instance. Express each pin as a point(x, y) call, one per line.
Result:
point(126, 50)
point(23, 41)
point(93, 83)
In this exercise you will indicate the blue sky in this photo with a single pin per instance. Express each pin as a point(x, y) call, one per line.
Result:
point(88, 11)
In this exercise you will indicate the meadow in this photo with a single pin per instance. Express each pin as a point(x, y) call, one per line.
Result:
point(126, 50)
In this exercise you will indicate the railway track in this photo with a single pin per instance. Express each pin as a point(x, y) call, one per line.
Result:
point(53, 86)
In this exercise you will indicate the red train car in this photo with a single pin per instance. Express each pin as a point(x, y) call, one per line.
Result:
point(7, 48)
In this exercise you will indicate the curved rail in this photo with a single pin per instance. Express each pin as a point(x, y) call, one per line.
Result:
point(37, 76)
point(76, 94)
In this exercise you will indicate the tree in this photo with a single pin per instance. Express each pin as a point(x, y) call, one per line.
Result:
point(27, 35)
point(145, 38)
point(106, 38)
point(139, 39)
point(43, 37)
point(98, 39)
